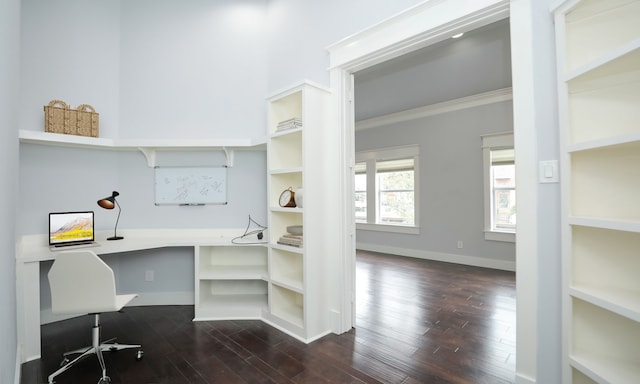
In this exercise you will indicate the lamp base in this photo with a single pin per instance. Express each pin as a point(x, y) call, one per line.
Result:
point(115, 238)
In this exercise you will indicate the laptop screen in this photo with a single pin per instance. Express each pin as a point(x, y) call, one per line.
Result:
point(68, 228)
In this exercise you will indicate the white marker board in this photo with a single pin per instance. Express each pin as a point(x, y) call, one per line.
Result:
point(191, 185)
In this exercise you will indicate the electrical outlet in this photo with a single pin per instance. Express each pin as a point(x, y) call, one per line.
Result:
point(460, 244)
point(148, 276)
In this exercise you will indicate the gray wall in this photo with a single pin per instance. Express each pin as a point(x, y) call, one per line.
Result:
point(300, 31)
point(151, 68)
point(451, 169)
point(451, 183)
point(68, 179)
point(297, 34)
point(165, 69)
point(9, 70)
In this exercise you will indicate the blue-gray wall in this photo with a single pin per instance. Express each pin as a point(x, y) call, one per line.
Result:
point(451, 189)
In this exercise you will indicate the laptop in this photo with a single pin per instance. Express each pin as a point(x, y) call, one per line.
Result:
point(71, 230)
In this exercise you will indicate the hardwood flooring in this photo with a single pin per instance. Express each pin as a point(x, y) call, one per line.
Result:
point(417, 321)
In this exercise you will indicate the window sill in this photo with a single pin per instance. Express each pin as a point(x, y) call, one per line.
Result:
point(507, 237)
point(388, 228)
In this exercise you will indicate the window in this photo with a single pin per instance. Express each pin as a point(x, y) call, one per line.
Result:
point(500, 187)
point(385, 187)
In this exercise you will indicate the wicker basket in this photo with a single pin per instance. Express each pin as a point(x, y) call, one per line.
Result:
point(59, 118)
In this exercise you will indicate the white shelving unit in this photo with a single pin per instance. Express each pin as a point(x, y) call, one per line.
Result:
point(148, 147)
point(598, 51)
point(296, 274)
point(231, 282)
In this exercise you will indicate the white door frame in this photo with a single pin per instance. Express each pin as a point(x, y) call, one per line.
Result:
point(422, 25)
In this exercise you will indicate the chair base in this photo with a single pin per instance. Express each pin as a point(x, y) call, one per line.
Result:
point(96, 349)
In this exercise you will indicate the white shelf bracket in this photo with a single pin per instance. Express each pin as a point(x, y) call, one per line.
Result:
point(150, 155)
point(229, 155)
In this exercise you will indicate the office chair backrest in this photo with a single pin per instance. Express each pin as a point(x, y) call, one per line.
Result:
point(81, 283)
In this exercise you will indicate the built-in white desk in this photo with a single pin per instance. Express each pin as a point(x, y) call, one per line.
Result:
point(217, 262)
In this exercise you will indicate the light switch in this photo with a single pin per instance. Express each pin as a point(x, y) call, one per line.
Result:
point(549, 171)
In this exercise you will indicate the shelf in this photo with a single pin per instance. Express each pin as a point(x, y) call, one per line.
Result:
point(287, 248)
point(285, 151)
point(598, 52)
point(624, 303)
point(288, 269)
point(275, 135)
point(594, 28)
point(297, 283)
point(603, 61)
point(287, 305)
point(286, 209)
point(147, 146)
point(281, 219)
point(603, 103)
point(605, 223)
point(231, 299)
point(283, 107)
point(244, 272)
point(602, 369)
point(606, 183)
point(629, 140)
point(605, 345)
point(605, 268)
point(286, 171)
point(231, 307)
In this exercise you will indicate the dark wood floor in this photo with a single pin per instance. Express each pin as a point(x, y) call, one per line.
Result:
point(417, 322)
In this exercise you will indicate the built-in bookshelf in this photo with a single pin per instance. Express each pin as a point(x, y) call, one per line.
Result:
point(231, 282)
point(297, 118)
point(598, 52)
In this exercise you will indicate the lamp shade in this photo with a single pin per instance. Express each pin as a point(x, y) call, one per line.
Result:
point(110, 202)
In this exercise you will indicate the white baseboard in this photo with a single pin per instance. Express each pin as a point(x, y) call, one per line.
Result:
point(520, 379)
point(439, 256)
point(143, 299)
point(17, 376)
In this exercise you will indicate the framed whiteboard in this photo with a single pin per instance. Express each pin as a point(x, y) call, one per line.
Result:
point(191, 185)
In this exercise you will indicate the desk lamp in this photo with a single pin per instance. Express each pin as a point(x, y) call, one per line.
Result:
point(109, 203)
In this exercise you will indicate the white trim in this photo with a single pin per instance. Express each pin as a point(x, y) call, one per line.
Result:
point(506, 237)
point(497, 140)
point(392, 38)
point(489, 142)
point(17, 375)
point(425, 24)
point(371, 157)
point(412, 230)
point(388, 153)
point(475, 261)
point(521, 379)
point(478, 100)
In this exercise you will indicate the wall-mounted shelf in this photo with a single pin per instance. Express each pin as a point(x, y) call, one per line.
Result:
point(149, 148)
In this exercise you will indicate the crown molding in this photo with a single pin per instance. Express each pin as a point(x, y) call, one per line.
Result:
point(480, 99)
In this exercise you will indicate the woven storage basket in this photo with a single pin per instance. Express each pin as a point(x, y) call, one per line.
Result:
point(59, 118)
point(56, 117)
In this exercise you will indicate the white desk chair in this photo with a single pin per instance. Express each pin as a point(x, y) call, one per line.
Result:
point(82, 283)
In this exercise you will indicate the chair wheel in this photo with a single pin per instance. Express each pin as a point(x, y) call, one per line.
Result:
point(104, 380)
point(64, 362)
point(139, 355)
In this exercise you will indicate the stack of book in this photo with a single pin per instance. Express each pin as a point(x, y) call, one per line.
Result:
point(291, 240)
point(289, 124)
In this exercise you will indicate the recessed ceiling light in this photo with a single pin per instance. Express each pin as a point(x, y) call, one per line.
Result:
point(457, 35)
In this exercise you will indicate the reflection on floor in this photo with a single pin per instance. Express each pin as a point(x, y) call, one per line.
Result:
point(417, 321)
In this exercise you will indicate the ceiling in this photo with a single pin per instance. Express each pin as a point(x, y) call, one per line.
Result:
point(479, 61)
